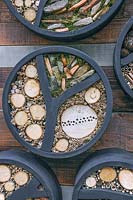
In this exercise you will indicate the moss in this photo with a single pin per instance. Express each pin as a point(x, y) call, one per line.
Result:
point(55, 59)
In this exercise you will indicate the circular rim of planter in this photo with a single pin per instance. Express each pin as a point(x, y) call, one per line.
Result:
point(113, 157)
point(117, 58)
point(70, 35)
point(39, 169)
point(101, 74)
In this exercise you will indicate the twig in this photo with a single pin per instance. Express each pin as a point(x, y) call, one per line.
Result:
point(77, 5)
point(91, 4)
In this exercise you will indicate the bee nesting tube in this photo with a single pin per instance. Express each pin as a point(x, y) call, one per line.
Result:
point(66, 104)
point(64, 20)
point(21, 175)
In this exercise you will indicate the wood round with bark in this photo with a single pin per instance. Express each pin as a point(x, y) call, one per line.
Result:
point(34, 131)
point(21, 118)
point(19, 3)
point(91, 182)
point(9, 186)
point(31, 71)
point(5, 173)
point(18, 100)
point(126, 179)
point(21, 178)
point(37, 112)
point(32, 88)
point(62, 145)
point(92, 95)
point(108, 174)
point(30, 14)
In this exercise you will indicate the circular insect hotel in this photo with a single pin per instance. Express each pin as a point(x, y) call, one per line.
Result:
point(57, 102)
point(23, 177)
point(64, 20)
point(107, 174)
point(123, 62)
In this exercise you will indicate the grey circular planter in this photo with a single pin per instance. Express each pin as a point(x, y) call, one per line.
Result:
point(120, 62)
point(41, 184)
point(69, 35)
point(53, 104)
point(95, 162)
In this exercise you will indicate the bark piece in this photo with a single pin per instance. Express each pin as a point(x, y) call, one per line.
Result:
point(83, 22)
point(21, 178)
point(48, 65)
point(55, 26)
point(57, 74)
point(95, 9)
point(107, 2)
point(9, 186)
point(56, 6)
point(91, 182)
point(92, 95)
point(21, 118)
point(5, 173)
point(64, 60)
point(34, 131)
point(126, 179)
point(37, 112)
point(101, 12)
point(108, 174)
point(18, 100)
point(31, 71)
point(32, 88)
point(67, 72)
point(81, 71)
point(83, 77)
point(62, 145)
point(30, 14)
point(74, 69)
point(79, 121)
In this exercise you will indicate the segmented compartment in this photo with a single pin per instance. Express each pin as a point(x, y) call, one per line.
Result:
point(42, 182)
point(120, 62)
point(69, 35)
point(53, 104)
point(114, 158)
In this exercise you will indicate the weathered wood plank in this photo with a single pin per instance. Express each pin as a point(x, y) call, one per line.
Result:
point(19, 35)
point(121, 101)
point(119, 133)
point(113, 137)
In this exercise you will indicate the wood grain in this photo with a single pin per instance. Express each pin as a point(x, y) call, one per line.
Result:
point(121, 101)
point(119, 133)
point(113, 137)
point(14, 33)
